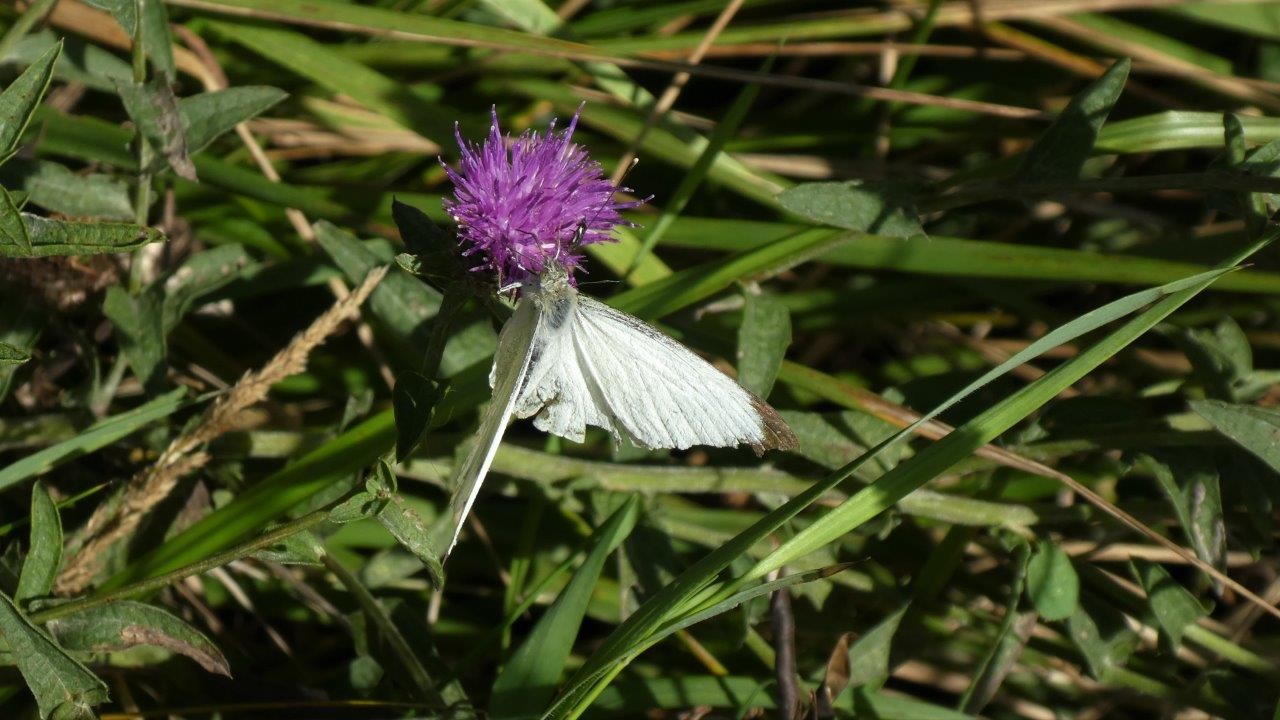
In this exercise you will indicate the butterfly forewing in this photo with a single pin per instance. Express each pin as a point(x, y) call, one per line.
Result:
point(510, 367)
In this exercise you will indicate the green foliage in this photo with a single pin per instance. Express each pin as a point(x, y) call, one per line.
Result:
point(1015, 302)
point(1052, 584)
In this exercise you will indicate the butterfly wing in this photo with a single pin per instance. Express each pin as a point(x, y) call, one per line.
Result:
point(652, 390)
point(511, 364)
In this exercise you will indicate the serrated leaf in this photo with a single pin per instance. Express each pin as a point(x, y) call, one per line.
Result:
point(124, 624)
point(10, 355)
point(19, 101)
point(154, 109)
point(528, 681)
point(44, 553)
point(139, 324)
point(1052, 583)
point(1061, 150)
point(54, 187)
point(206, 116)
point(1189, 480)
point(1253, 428)
point(96, 436)
point(869, 655)
point(1102, 636)
point(1173, 607)
point(54, 677)
point(59, 237)
point(763, 339)
point(886, 209)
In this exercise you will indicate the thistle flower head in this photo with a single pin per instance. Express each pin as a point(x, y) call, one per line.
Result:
point(524, 206)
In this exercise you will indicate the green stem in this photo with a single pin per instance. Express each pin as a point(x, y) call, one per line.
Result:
point(399, 646)
point(149, 585)
point(23, 25)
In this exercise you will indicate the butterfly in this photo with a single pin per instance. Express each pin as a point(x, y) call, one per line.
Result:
point(570, 361)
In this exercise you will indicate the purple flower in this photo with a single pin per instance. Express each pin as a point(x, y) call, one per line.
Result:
point(522, 207)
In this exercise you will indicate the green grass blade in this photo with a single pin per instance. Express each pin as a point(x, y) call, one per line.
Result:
point(527, 682)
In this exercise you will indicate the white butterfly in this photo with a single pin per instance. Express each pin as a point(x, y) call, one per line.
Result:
point(573, 361)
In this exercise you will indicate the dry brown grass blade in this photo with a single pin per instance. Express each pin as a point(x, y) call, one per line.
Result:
point(109, 524)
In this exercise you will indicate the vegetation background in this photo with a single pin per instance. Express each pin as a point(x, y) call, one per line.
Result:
point(225, 433)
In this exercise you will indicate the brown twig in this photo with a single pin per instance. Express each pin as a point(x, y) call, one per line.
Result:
point(106, 527)
point(784, 648)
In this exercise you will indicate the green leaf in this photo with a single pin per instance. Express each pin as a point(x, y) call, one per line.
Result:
point(79, 62)
point(10, 355)
point(156, 39)
point(56, 188)
point(1223, 360)
point(528, 682)
point(1102, 636)
point(1060, 152)
point(402, 521)
point(201, 274)
point(140, 331)
point(1011, 638)
point(404, 305)
point(205, 117)
point(1052, 583)
point(124, 624)
point(124, 11)
point(763, 339)
point(1253, 428)
point(20, 326)
point(154, 109)
point(1173, 607)
point(54, 677)
point(414, 400)
point(13, 231)
point(19, 101)
point(1189, 480)
point(59, 237)
point(96, 436)
point(869, 656)
point(44, 555)
point(885, 209)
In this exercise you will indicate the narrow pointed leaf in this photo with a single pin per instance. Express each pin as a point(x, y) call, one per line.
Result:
point(1060, 152)
point(54, 677)
point(125, 623)
point(44, 553)
point(19, 101)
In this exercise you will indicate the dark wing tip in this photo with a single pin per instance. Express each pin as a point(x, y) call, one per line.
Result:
point(777, 433)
